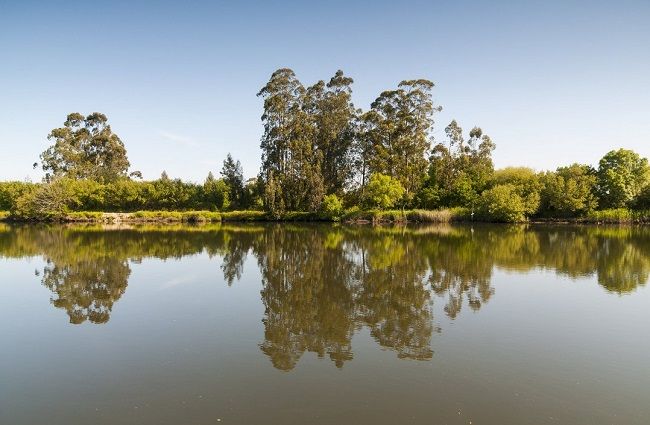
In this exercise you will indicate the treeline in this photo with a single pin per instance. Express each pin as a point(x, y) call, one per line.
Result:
point(320, 153)
point(63, 195)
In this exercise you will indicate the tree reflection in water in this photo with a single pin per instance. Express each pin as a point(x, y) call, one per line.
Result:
point(322, 283)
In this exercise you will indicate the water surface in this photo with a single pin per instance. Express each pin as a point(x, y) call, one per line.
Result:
point(322, 324)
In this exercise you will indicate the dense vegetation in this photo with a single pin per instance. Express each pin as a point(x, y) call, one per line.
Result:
point(322, 155)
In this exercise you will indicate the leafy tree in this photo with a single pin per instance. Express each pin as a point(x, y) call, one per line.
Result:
point(216, 193)
point(172, 194)
point(383, 191)
point(460, 170)
point(397, 133)
point(332, 206)
point(233, 177)
point(642, 202)
point(127, 195)
point(504, 203)
point(569, 191)
point(622, 175)
point(291, 165)
point(334, 117)
point(86, 148)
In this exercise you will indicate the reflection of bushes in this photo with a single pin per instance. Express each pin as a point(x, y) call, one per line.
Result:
point(321, 283)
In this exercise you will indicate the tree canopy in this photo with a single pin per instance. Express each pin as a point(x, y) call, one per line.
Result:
point(86, 148)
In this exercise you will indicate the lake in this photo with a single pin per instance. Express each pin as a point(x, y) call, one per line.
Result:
point(324, 324)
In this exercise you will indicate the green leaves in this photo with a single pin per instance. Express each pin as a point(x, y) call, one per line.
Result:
point(622, 175)
point(383, 191)
point(85, 148)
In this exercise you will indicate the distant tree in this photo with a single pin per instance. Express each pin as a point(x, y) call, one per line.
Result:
point(397, 129)
point(291, 165)
point(504, 203)
point(86, 148)
point(622, 175)
point(233, 176)
point(383, 191)
point(216, 193)
point(459, 170)
point(525, 182)
point(334, 115)
point(569, 191)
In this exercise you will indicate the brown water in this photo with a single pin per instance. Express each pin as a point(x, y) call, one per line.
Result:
point(311, 324)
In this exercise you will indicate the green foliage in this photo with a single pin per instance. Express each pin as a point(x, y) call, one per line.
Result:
point(383, 191)
point(233, 178)
point(291, 163)
point(569, 191)
point(622, 175)
point(642, 202)
point(127, 195)
point(428, 216)
point(84, 216)
point(396, 134)
point(215, 194)
point(617, 216)
point(460, 170)
point(330, 106)
point(11, 191)
point(332, 207)
point(244, 216)
point(504, 203)
point(85, 148)
point(48, 201)
point(176, 216)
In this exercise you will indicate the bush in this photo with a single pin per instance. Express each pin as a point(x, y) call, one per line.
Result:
point(503, 203)
point(383, 191)
point(45, 202)
point(11, 191)
point(332, 207)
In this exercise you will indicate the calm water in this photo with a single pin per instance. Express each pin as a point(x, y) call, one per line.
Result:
point(306, 324)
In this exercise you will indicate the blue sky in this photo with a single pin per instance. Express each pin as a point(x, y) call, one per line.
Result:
point(551, 82)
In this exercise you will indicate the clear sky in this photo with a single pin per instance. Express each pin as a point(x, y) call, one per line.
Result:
point(552, 82)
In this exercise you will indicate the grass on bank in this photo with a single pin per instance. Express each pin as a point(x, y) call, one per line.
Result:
point(352, 215)
point(618, 216)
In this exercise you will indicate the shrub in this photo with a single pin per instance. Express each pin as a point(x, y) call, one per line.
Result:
point(11, 191)
point(503, 203)
point(47, 202)
point(332, 207)
point(383, 191)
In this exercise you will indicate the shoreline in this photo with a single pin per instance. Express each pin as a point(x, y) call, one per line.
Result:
point(373, 217)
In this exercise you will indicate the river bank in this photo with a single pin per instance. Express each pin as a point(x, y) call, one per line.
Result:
point(618, 216)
